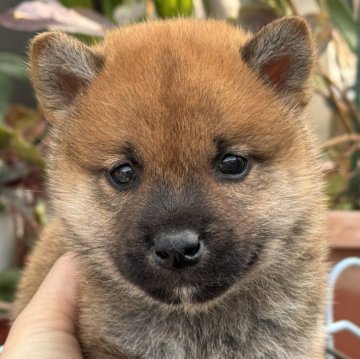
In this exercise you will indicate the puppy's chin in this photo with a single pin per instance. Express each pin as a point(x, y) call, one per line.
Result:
point(188, 294)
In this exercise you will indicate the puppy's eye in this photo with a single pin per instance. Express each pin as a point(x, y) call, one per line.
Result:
point(123, 175)
point(232, 165)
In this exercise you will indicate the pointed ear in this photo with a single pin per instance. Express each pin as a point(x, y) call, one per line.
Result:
point(282, 54)
point(61, 69)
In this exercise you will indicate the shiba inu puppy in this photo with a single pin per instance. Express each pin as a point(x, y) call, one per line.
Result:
point(183, 176)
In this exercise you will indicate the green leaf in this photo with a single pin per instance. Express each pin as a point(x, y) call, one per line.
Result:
point(26, 150)
point(12, 66)
point(172, 8)
point(40, 212)
point(108, 7)
point(342, 18)
point(6, 89)
point(279, 5)
point(77, 3)
point(6, 134)
point(343, 206)
point(20, 146)
point(87, 39)
point(354, 182)
point(335, 184)
point(319, 83)
point(8, 283)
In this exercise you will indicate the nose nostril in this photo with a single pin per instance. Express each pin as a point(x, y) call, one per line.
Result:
point(192, 251)
point(177, 249)
point(162, 254)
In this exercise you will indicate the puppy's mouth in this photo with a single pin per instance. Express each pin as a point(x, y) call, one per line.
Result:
point(198, 293)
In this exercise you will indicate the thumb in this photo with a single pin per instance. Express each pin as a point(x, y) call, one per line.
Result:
point(48, 321)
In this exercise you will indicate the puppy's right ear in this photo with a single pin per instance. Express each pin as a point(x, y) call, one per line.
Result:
point(282, 54)
point(61, 69)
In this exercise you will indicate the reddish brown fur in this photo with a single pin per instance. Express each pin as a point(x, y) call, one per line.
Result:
point(170, 89)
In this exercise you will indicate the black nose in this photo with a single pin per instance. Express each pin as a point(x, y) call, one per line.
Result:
point(177, 249)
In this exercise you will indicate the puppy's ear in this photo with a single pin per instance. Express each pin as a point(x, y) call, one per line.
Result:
point(61, 69)
point(282, 54)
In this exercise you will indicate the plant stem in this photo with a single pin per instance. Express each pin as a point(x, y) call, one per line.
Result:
point(292, 7)
point(352, 137)
point(334, 92)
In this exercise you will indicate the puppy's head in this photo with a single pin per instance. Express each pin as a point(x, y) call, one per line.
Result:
point(180, 161)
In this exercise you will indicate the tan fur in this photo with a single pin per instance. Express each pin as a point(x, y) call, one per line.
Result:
point(171, 88)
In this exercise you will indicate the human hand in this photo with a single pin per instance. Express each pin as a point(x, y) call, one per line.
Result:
point(46, 327)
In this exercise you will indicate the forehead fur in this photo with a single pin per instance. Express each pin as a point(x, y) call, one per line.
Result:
point(175, 81)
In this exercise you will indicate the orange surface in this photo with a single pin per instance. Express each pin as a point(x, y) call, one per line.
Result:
point(347, 303)
point(344, 229)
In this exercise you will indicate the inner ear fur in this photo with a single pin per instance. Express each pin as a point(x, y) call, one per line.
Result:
point(282, 54)
point(61, 69)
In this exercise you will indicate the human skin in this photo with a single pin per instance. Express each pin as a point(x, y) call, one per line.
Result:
point(46, 327)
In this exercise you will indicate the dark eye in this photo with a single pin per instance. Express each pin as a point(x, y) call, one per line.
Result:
point(234, 166)
point(123, 175)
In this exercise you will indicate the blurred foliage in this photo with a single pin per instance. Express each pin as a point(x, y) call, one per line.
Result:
point(172, 8)
point(347, 22)
point(342, 18)
point(77, 3)
point(11, 67)
point(21, 162)
point(21, 165)
point(8, 282)
point(105, 7)
point(108, 7)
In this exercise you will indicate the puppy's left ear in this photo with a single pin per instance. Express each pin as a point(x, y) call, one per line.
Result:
point(62, 69)
point(282, 54)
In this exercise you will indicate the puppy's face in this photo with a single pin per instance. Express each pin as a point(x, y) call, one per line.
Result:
point(179, 161)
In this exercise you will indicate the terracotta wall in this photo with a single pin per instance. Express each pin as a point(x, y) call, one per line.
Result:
point(344, 239)
point(347, 303)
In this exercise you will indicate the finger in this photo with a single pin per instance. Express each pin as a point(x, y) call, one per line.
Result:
point(53, 307)
point(55, 300)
